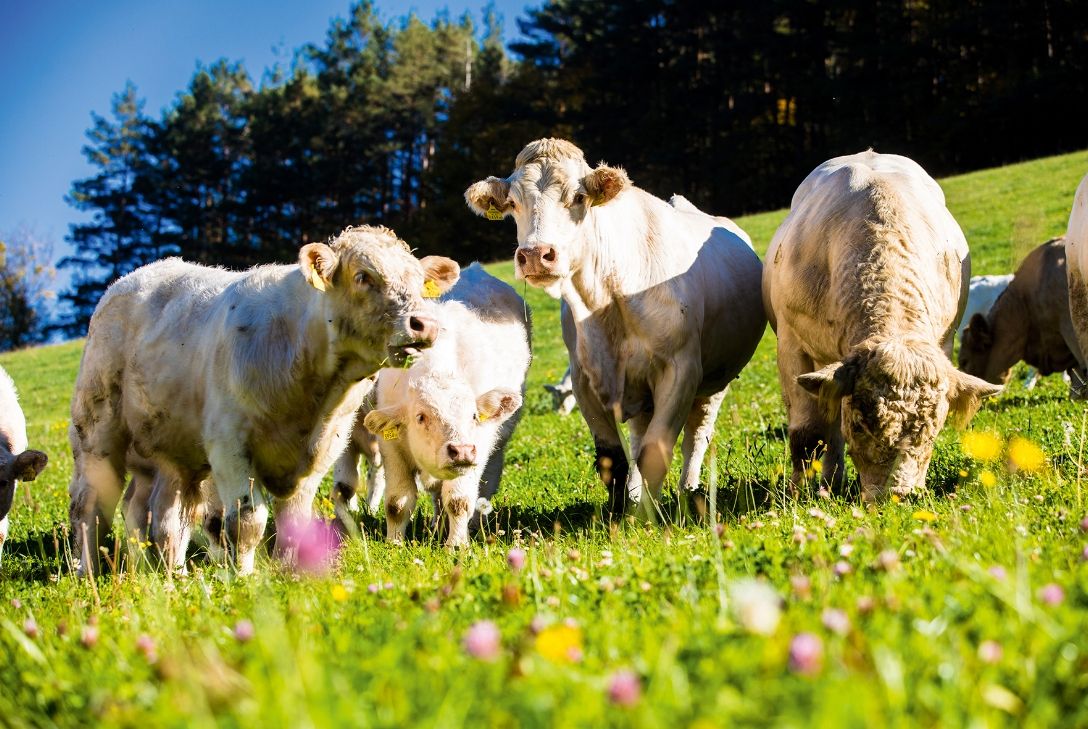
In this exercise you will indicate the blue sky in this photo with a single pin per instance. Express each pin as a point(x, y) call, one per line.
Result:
point(63, 59)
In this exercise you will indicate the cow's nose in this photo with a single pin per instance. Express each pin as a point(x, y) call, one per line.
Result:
point(536, 260)
point(461, 454)
point(423, 328)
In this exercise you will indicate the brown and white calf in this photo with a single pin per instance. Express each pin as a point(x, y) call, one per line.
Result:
point(661, 305)
point(448, 417)
point(1076, 252)
point(864, 283)
point(1028, 322)
point(16, 462)
point(250, 378)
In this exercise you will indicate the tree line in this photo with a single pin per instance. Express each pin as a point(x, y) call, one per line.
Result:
point(728, 103)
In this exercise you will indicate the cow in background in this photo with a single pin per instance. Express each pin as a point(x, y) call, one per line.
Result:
point(16, 462)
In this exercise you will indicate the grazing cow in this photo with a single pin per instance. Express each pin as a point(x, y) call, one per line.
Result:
point(449, 416)
point(251, 378)
point(981, 295)
point(661, 310)
point(1030, 321)
point(864, 284)
point(1076, 250)
point(16, 462)
point(562, 393)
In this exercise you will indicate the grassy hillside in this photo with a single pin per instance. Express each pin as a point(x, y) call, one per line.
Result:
point(967, 606)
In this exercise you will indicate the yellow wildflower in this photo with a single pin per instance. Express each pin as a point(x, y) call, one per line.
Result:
point(339, 593)
point(987, 479)
point(1025, 455)
point(925, 516)
point(981, 446)
point(560, 643)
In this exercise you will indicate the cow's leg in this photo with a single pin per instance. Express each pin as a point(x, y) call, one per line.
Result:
point(215, 515)
point(137, 512)
point(811, 433)
point(375, 473)
point(459, 502)
point(611, 462)
point(246, 511)
point(698, 430)
point(346, 482)
point(674, 393)
point(400, 496)
point(174, 504)
point(94, 492)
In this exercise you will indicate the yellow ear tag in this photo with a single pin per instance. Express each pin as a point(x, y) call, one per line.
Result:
point(431, 290)
point(316, 281)
point(391, 433)
point(482, 417)
point(493, 213)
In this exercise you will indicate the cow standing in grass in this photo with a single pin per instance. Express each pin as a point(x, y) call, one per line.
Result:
point(864, 283)
point(662, 305)
point(251, 378)
point(1030, 321)
point(16, 462)
point(1076, 252)
point(447, 418)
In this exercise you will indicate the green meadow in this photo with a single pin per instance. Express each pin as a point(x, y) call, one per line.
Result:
point(967, 606)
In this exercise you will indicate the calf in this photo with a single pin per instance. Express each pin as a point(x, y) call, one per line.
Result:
point(562, 393)
point(1030, 321)
point(449, 416)
point(661, 307)
point(864, 284)
point(16, 462)
point(250, 378)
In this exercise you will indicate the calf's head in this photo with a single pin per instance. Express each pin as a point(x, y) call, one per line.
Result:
point(24, 466)
point(447, 429)
point(551, 194)
point(376, 289)
point(894, 397)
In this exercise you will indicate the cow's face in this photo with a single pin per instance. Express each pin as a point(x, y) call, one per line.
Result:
point(977, 347)
point(14, 468)
point(893, 399)
point(447, 429)
point(377, 290)
point(551, 196)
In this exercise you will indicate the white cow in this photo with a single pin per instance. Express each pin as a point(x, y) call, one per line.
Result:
point(865, 282)
point(447, 418)
point(16, 462)
point(661, 311)
point(981, 295)
point(1076, 251)
point(251, 378)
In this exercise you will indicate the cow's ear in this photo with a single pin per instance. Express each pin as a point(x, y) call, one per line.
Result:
point(318, 263)
point(965, 395)
point(604, 183)
point(490, 198)
point(441, 274)
point(830, 385)
point(29, 464)
point(386, 422)
point(498, 404)
point(978, 334)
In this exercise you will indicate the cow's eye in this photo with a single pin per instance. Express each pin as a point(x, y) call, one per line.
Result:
point(362, 278)
point(421, 418)
point(579, 198)
point(475, 417)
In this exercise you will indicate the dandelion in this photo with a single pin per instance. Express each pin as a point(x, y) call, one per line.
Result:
point(88, 638)
point(926, 516)
point(339, 593)
point(624, 688)
point(483, 641)
point(1052, 594)
point(757, 606)
point(516, 559)
point(560, 643)
point(806, 654)
point(243, 631)
point(30, 628)
point(981, 446)
point(1025, 455)
point(998, 572)
point(836, 621)
point(987, 479)
point(989, 651)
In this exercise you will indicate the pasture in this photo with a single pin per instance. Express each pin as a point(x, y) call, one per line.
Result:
point(967, 606)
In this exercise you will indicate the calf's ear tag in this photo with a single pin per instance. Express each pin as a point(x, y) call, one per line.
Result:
point(391, 433)
point(493, 213)
point(431, 290)
point(482, 417)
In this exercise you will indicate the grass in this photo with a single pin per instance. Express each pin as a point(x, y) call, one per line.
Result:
point(933, 637)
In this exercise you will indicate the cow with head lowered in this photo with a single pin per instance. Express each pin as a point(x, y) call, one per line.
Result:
point(865, 282)
point(250, 379)
point(661, 305)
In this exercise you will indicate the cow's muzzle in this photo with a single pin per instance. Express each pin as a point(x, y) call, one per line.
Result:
point(539, 265)
point(420, 333)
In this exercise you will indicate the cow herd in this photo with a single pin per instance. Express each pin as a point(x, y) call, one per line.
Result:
point(224, 395)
